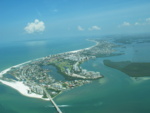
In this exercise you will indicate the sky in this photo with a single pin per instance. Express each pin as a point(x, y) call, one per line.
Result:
point(40, 19)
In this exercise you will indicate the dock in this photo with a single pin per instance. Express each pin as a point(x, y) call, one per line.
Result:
point(50, 98)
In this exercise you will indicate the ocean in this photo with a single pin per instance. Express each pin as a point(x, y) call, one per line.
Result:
point(115, 93)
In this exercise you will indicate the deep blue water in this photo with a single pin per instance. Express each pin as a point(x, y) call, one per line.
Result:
point(115, 93)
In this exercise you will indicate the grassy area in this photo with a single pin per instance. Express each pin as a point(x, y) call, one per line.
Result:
point(62, 64)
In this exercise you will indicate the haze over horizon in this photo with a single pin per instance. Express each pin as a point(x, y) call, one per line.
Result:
point(37, 19)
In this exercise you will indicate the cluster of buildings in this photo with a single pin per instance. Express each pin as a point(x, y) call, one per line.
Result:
point(76, 57)
point(103, 48)
point(61, 86)
point(37, 89)
point(33, 75)
point(79, 72)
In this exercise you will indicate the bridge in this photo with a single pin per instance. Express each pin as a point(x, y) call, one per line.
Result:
point(50, 98)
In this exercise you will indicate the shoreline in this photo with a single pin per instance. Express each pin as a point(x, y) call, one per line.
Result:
point(75, 51)
point(23, 89)
point(6, 70)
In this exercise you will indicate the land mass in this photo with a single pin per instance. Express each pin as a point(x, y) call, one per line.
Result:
point(133, 69)
point(35, 75)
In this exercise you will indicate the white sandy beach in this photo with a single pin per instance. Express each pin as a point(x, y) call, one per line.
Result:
point(23, 89)
point(19, 86)
point(6, 70)
point(75, 51)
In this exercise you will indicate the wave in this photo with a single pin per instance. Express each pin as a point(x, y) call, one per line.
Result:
point(63, 105)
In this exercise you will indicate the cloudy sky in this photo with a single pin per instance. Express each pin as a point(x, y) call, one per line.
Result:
point(27, 19)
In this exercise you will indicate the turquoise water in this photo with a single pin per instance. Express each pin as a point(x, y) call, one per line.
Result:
point(115, 93)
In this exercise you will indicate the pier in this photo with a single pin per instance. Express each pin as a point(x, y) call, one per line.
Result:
point(55, 105)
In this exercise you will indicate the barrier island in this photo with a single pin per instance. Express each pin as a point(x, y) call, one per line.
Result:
point(31, 77)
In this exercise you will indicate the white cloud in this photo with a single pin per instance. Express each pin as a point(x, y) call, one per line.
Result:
point(126, 24)
point(36, 26)
point(148, 20)
point(80, 28)
point(145, 22)
point(94, 28)
point(137, 23)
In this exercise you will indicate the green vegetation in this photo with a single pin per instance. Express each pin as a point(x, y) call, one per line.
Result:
point(134, 69)
point(61, 64)
point(129, 39)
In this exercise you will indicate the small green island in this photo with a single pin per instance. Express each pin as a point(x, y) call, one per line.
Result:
point(133, 69)
point(36, 74)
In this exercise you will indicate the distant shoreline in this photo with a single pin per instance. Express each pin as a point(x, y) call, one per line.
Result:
point(75, 51)
point(133, 69)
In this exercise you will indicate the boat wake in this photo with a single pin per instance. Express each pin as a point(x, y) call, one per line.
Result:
point(60, 106)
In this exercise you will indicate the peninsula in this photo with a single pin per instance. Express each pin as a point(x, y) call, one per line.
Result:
point(31, 77)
